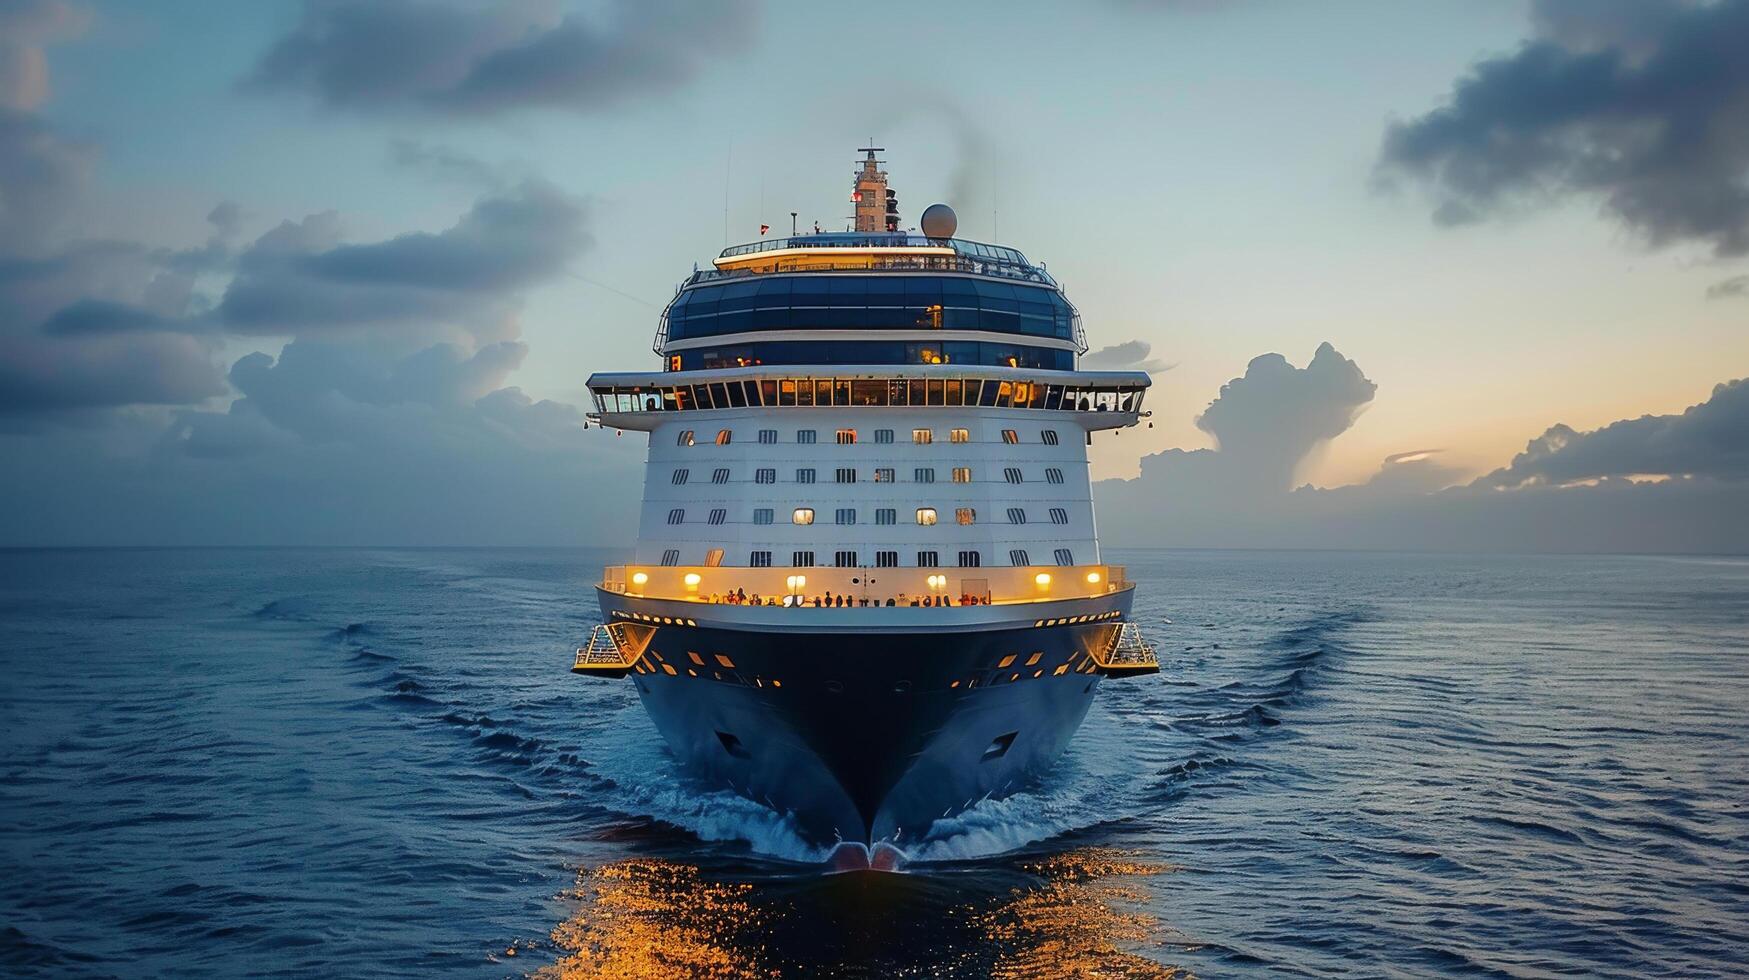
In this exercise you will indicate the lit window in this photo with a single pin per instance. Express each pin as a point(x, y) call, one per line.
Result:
point(723, 436)
point(765, 475)
point(846, 515)
point(713, 558)
point(759, 559)
point(720, 475)
point(803, 515)
point(1053, 475)
point(768, 437)
point(1049, 436)
point(1010, 436)
point(671, 557)
point(883, 435)
point(847, 474)
point(679, 477)
point(1017, 557)
point(846, 437)
point(719, 515)
point(966, 515)
point(762, 515)
point(926, 516)
point(884, 474)
point(971, 559)
point(961, 435)
point(805, 476)
point(924, 474)
point(962, 474)
point(844, 559)
point(886, 515)
point(802, 559)
point(684, 439)
point(886, 559)
point(1059, 515)
point(922, 437)
point(1065, 557)
point(1011, 474)
point(928, 559)
point(677, 515)
point(805, 436)
point(1017, 515)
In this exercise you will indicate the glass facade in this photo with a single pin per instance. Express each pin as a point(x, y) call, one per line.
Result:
point(813, 392)
point(875, 352)
point(894, 302)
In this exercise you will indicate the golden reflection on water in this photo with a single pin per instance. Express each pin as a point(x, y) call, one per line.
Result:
point(1076, 922)
point(647, 918)
point(1078, 918)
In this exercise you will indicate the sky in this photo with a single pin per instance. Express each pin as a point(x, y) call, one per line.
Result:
point(334, 271)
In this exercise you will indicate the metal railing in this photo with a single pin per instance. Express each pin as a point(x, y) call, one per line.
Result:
point(1130, 650)
point(890, 263)
point(602, 650)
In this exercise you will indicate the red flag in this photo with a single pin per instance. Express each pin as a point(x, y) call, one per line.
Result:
point(764, 228)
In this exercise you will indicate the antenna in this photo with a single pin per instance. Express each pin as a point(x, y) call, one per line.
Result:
point(728, 157)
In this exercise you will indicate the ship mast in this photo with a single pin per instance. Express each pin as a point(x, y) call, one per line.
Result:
point(877, 206)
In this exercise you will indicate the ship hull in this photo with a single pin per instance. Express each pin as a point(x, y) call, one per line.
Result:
point(874, 734)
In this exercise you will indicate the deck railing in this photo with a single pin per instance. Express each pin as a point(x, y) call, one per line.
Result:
point(864, 585)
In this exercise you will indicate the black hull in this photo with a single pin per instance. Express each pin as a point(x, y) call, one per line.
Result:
point(870, 736)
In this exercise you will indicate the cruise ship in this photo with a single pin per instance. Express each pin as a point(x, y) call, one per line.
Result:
point(867, 590)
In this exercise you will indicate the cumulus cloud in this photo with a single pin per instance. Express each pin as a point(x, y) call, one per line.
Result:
point(1642, 106)
point(1131, 355)
point(1569, 491)
point(424, 56)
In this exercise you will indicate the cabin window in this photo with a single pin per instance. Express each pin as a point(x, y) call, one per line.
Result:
point(923, 474)
point(671, 557)
point(765, 474)
point(1065, 557)
point(805, 475)
point(886, 515)
point(884, 474)
point(759, 559)
point(883, 435)
point(1017, 557)
point(805, 436)
point(922, 437)
point(886, 559)
point(720, 475)
point(966, 515)
point(762, 515)
point(1053, 475)
point(1059, 515)
point(803, 515)
point(846, 437)
point(962, 474)
point(713, 558)
point(723, 437)
point(802, 559)
point(1010, 436)
point(684, 439)
point(1049, 436)
point(844, 559)
point(1017, 515)
point(846, 515)
point(970, 559)
point(962, 435)
point(928, 559)
point(719, 515)
point(847, 474)
point(926, 516)
point(679, 477)
point(1011, 474)
point(767, 437)
point(677, 516)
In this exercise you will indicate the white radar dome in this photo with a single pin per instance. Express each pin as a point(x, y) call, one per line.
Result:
point(939, 221)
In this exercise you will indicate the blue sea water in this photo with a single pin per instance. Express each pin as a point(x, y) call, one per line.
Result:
point(375, 763)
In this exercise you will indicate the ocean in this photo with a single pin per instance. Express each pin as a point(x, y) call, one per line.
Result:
point(291, 762)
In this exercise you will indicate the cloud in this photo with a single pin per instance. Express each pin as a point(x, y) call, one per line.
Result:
point(446, 163)
point(1708, 440)
point(26, 26)
point(419, 56)
point(1569, 491)
point(1734, 287)
point(299, 278)
point(1643, 107)
point(1131, 355)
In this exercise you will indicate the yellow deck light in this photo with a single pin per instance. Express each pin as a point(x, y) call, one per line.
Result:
point(639, 578)
point(1043, 579)
point(1092, 578)
point(692, 580)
